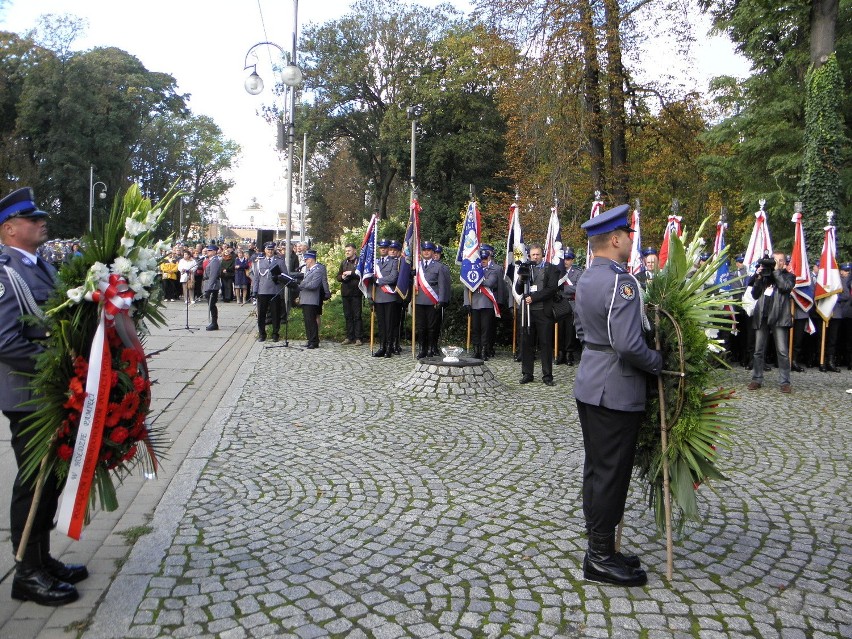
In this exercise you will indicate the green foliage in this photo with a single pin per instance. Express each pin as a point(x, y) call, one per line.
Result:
point(824, 143)
point(698, 420)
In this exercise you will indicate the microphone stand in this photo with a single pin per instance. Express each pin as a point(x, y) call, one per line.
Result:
point(187, 327)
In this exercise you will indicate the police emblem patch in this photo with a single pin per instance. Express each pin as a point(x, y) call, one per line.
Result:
point(2, 290)
point(627, 291)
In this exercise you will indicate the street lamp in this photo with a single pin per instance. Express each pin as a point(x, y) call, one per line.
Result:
point(291, 76)
point(101, 194)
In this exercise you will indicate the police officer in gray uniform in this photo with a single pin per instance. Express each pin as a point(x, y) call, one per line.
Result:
point(385, 298)
point(313, 290)
point(211, 283)
point(610, 391)
point(482, 305)
point(430, 301)
point(568, 343)
point(267, 283)
point(26, 282)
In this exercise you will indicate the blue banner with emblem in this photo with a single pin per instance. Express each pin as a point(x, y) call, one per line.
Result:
point(467, 257)
point(366, 269)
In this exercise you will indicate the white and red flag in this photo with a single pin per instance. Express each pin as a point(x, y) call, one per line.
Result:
point(636, 264)
point(597, 209)
point(828, 284)
point(803, 292)
point(759, 244)
point(673, 225)
point(553, 239)
point(514, 249)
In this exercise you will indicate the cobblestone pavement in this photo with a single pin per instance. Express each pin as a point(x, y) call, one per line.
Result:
point(335, 505)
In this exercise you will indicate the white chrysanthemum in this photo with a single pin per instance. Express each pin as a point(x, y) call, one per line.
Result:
point(76, 294)
point(122, 266)
point(146, 259)
point(98, 271)
point(127, 243)
point(146, 278)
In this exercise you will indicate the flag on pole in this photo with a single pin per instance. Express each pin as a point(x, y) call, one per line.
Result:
point(553, 239)
point(828, 283)
point(673, 225)
point(803, 292)
point(410, 250)
point(597, 209)
point(366, 269)
point(636, 264)
point(514, 242)
point(722, 273)
point(759, 243)
point(472, 273)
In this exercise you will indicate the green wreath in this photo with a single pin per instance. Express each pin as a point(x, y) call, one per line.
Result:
point(691, 310)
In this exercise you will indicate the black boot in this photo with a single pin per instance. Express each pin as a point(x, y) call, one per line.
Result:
point(796, 368)
point(604, 565)
point(561, 359)
point(69, 573)
point(477, 353)
point(380, 352)
point(831, 368)
point(388, 349)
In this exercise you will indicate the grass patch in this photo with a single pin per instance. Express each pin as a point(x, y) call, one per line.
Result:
point(132, 535)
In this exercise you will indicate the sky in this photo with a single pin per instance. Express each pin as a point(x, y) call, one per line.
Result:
point(203, 45)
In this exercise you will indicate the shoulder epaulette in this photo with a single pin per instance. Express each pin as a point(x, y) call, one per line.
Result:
point(617, 268)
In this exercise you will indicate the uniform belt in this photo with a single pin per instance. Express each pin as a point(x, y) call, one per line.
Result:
point(599, 347)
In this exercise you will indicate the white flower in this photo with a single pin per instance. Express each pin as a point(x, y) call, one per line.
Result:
point(76, 294)
point(133, 227)
point(98, 271)
point(152, 218)
point(122, 266)
point(141, 294)
point(146, 259)
point(146, 278)
point(127, 243)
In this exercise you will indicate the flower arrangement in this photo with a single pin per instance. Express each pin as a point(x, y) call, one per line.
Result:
point(692, 309)
point(92, 391)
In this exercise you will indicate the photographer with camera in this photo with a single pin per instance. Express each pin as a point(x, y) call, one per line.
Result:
point(266, 285)
point(770, 287)
point(537, 282)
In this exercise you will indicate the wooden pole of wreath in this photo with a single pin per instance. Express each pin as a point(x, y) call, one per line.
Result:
point(664, 435)
point(28, 527)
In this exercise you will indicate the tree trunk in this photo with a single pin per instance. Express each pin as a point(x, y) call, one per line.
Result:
point(592, 96)
point(823, 21)
point(615, 93)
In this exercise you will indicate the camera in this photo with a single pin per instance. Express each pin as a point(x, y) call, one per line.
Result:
point(524, 269)
point(767, 262)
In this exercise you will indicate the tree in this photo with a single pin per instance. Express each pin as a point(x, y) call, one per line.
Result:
point(761, 138)
point(363, 70)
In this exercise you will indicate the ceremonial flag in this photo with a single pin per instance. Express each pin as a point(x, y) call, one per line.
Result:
point(553, 240)
point(597, 209)
point(722, 273)
point(514, 242)
point(410, 250)
point(803, 292)
point(472, 273)
point(636, 263)
point(828, 283)
point(759, 243)
point(366, 269)
point(673, 225)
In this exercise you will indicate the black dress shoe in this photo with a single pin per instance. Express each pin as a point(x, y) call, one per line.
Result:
point(422, 355)
point(561, 359)
point(549, 382)
point(69, 573)
point(526, 379)
point(212, 327)
point(38, 586)
point(797, 369)
point(261, 338)
point(379, 353)
point(389, 353)
point(311, 346)
point(275, 337)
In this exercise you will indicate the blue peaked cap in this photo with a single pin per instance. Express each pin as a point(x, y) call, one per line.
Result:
point(608, 221)
point(19, 203)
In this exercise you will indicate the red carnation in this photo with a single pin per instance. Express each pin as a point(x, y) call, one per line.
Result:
point(129, 405)
point(81, 367)
point(119, 434)
point(64, 452)
point(113, 415)
point(140, 384)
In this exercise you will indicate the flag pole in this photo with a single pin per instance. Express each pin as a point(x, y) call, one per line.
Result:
point(372, 317)
point(792, 330)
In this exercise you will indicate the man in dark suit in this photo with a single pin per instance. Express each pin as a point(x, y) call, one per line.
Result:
point(211, 283)
point(537, 285)
point(26, 282)
point(610, 391)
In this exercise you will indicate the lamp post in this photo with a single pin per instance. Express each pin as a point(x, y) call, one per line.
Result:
point(291, 76)
point(101, 194)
